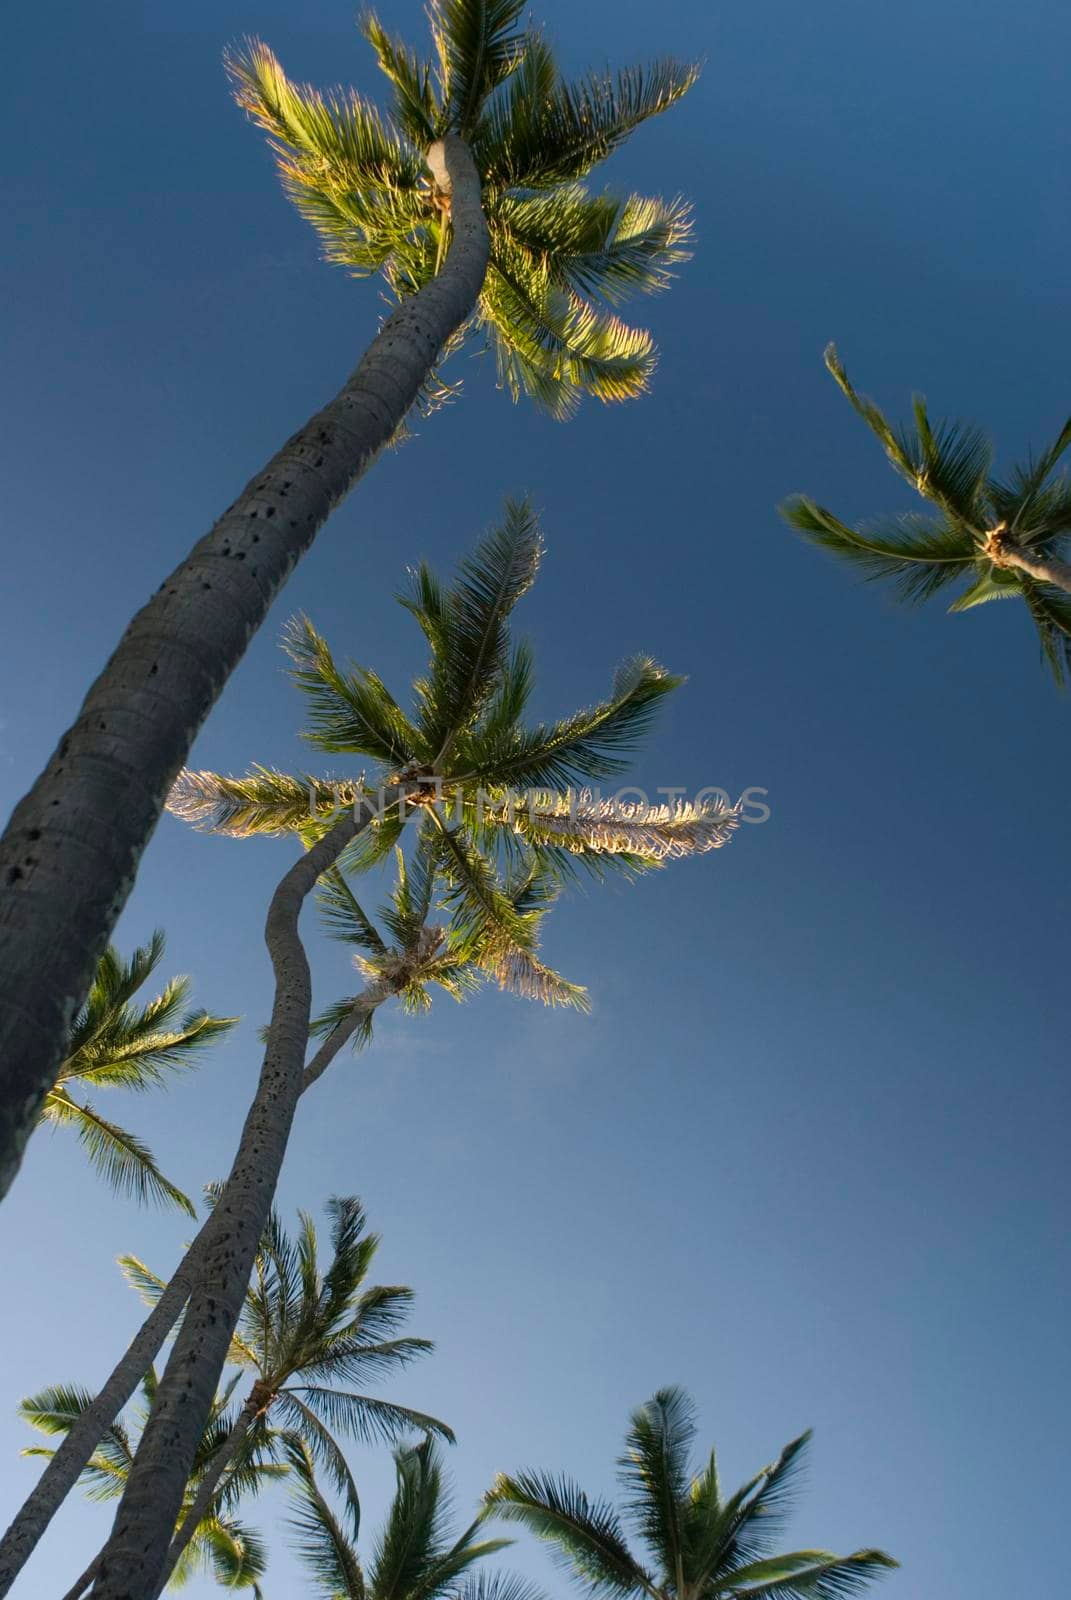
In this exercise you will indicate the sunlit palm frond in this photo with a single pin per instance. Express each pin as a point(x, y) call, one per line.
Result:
point(264, 802)
point(582, 823)
point(235, 1554)
point(122, 1159)
point(414, 112)
point(598, 246)
point(477, 45)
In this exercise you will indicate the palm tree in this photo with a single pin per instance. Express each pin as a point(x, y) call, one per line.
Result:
point(700, 1544)
point(1003, 538)
point(469, 715)
point(303, 1332)
point(114, 1044)
point(501, 825)
point(414, 1557)
point(218, 1542)
point(468, 196)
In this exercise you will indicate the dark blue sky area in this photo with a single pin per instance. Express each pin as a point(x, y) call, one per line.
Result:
point(808, 1154)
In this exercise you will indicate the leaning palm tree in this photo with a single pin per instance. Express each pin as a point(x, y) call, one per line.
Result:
point(472, 745)
point(114, 1044)
point(217, 1543)
point(699, 1543)
point(467, 195)
point(306, 1335)
point(1001, 538)
point(414, 1557)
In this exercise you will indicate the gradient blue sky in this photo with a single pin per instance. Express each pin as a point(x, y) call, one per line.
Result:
point(807, 1156)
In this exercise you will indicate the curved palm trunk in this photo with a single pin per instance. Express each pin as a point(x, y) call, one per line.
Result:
point(133, 1561)
point(1046, 569)
point(70, 852)
point(78, 1444)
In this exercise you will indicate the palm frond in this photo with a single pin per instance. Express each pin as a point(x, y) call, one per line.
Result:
point(323, 1544)
point(414, 111)
point(544, 132)
point(582, 823)
point(586, 1534)
point(123, 1160)
point(352, 712)
point(265, 802)
point(920, 554)
point(655, 1472)
point(478, 45)
point(343, 915)
point(807, 1575)
point(235, 1553)
point(411, 1538)
point(598, 246)
point(1051, 610)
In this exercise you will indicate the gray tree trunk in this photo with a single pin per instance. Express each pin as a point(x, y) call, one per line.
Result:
point(1046, 569)
point(69, 855)
point(70, 1459)
point(133, 1561)
point(206, 1492)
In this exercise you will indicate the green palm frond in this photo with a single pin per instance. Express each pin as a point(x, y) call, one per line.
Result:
point(754, 1517)
point(595, 245)
point(559, 133)
point(414, 111)
point(586, 1533)
point(467, 625)
point(504, 937)
point(339, 1012)
point(584, 748)
point(919, 553)
point(343, 915)
point(654, 1471)
point(319, 1538)
point(235, 1555)
point(122, 1159)
point(477, 45)
point(364, 1418)
point(807, 1575)
point(1051, 612)
point(411, 1538)
point(353, 712)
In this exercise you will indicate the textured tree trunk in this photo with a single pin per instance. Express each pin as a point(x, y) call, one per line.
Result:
point(1046, 569)
point(133, 1561)
point(71, 850)
point(206, 1493)
point(66, 1465)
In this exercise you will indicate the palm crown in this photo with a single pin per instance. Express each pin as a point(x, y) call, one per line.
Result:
point(233, 1553)
point(701, 1544)
point(307, 1335)
point(464, 751)
point(114, 1044)
point(1004, 538)
point(561, 257)
point(414, 1557)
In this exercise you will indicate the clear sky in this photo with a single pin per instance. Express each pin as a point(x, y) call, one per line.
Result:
point(807, 1156)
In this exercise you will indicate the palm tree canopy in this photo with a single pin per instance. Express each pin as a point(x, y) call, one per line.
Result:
point(976, 515)
point(116, 1044)
point(414, 1556)
point(561, 256)
point(699, 1543)
point(308, 1333)
point(499, 831)
point(222, 1546)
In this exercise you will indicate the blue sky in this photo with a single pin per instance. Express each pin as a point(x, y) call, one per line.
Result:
point(807, 1155)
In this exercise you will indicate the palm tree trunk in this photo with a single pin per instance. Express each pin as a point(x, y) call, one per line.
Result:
point(1046, 569)
point(78, 1444)
point(71, 850)
point(79, 1587)
point(206, 1492)
point(136, 1553)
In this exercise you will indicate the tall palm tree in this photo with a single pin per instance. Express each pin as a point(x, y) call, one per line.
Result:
point(699, 1543)
point(302, 1333)
point(468, 716)
point(114, 1044)
point(414, 1557)
point(218, 1542)
point(467, 195)
point(1002, 538)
